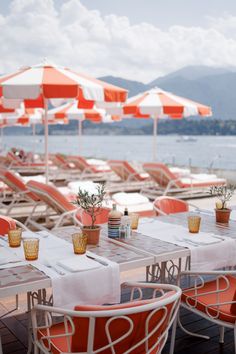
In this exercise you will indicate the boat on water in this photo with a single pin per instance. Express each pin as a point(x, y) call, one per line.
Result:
point(186, 139)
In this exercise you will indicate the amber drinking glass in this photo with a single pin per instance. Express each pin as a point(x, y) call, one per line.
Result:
point(194, 222)
point(31, 248)
point(14, 237)
point(79, 243)
point(134, 220)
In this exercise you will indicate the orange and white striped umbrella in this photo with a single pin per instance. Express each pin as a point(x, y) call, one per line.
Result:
point(31, 116)
point(52, 81)
point(159, 103)
point(48, 81)
point(72, 112)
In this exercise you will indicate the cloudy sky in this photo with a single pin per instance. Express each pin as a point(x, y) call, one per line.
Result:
point(134, 39)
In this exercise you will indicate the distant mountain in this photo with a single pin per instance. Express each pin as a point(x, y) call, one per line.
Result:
point(192, 73)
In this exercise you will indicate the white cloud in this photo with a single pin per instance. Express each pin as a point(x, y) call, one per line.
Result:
point(109, 45)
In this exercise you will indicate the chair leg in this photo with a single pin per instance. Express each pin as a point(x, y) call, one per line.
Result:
point(17, 301)
point(173, 334)
point(191, 333)
point(222, 334)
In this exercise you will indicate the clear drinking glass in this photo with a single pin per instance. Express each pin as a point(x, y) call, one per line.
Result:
point(194, 222)
point(14, 237)
point(31, 248)
point(134, 220)
point(79, 242)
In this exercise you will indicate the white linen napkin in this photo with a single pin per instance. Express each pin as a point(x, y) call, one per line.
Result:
point(208, 251)
point(214, 256)
point(95, 287)
point(8, 256)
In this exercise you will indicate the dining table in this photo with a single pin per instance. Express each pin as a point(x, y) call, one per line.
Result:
point(161, 244)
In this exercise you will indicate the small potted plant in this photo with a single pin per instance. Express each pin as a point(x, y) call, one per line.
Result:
point(91, 204)
point(224, 194)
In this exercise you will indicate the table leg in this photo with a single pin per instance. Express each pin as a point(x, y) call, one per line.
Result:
point(1, 351)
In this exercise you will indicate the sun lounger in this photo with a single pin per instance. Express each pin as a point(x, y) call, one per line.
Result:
point(24, 167)
point(134, 202)
point(56, 202)
point(90, 171)
point(129, 179)
point(169, 183)
point(20, 193)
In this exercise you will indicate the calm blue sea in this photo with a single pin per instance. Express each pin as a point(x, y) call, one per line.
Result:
point(218, 151)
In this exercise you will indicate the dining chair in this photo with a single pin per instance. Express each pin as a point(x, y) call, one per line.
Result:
point(169, 205)
point(137, 326)
point(212, 296)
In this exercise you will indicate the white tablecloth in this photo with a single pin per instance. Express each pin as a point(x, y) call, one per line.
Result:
point(94, 286)
point(208, 251)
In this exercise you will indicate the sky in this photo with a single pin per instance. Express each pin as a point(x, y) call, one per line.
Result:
point(134, 39)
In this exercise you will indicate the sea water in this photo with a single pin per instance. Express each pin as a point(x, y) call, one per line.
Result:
point(206, 151)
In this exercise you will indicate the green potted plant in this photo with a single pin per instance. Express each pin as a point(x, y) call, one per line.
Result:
point(91, 205)
point(224, 194)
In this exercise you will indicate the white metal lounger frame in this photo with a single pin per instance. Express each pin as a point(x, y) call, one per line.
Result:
point(153, 307)
point(32, 218)
point(198, 284)
point(18, 196)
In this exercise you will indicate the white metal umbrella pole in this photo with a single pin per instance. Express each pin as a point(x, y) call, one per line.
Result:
point(46, 139)
point(155, 138)
point(2, 137)
point(80, 135)
point(33, 133)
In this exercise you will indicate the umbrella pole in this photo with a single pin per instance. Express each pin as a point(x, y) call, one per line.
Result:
point(80, 135)
point(33, 133)
point(2, 137)
point(154, 138)
point(46, 138)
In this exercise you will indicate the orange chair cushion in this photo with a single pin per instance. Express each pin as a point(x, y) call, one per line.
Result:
point(58, 345)
point(51, 196)
point(227, 312)
point(16, 184)
point(6, 224)
point(171, 205)
point(101, 218)
point(117, 328)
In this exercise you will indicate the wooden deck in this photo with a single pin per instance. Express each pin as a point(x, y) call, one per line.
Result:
point(13, 329)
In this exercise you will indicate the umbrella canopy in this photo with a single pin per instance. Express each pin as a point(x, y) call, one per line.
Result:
point(71, 111)
point(157, 103)
point(52, 81)
point(161, 104)
point(44, 81)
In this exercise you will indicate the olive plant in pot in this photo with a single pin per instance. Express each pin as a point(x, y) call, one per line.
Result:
point(91, 204)
point(224, 194)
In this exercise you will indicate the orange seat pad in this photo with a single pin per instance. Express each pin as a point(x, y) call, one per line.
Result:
point(227, 312)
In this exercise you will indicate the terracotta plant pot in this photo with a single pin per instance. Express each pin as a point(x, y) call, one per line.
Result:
point(93, 235)
point(223, 215)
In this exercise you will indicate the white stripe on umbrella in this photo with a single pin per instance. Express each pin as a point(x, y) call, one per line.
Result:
point(24, 85)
